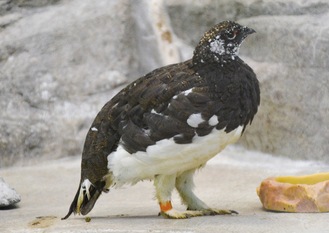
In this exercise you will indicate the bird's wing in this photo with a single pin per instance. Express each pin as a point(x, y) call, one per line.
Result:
point(159, 108)
point(178, 102)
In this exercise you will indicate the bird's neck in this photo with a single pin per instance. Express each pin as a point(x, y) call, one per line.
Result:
point(216, 60)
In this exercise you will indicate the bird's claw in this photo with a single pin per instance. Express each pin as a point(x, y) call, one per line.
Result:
point(218, 212)
point(174, 214)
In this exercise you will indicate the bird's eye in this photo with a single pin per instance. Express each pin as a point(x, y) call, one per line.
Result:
point(231, 35)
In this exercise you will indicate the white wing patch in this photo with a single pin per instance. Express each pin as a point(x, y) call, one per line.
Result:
point(194, 120)
point(213, 120)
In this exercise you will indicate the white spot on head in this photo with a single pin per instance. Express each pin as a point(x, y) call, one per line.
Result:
point(217, 46)
point(94, 129)
point(213, 120)
point(175, 97)
point(194, 120)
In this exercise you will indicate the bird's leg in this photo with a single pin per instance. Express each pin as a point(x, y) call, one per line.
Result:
point(164, 185)
point(184, 186)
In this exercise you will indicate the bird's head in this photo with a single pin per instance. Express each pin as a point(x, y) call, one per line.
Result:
point(221, 43)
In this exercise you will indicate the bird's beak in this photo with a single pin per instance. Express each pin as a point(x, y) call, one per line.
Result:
point(248, 31)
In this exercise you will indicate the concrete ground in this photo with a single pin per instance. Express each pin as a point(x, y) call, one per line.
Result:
point(228, 181)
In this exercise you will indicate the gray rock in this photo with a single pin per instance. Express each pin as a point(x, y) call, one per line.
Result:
point(293, 119)
point(55, 67)
point(8, 195)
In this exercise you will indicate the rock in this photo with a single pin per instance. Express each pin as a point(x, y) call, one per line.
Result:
point(289, 55)
point(285, 195)
point(8, 196)
point(292, 120)
point(58, 66)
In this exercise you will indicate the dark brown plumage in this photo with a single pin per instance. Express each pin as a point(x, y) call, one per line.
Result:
point(215, 91)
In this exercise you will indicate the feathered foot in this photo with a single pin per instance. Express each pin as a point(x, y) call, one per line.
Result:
point(184, 185)
point(218, 212)
point(168, 212)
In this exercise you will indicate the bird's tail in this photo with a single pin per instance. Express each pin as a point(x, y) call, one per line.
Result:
point(86, 197)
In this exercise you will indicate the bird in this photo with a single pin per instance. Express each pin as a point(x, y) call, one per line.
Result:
point(167, 124)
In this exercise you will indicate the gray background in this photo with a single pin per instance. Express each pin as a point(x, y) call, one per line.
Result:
point(62, 60)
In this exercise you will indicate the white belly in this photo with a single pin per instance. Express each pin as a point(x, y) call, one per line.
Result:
point(167, 157)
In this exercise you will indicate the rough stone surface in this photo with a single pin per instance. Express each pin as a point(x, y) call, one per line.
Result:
point(57, 64)
point(296, 198)
point(60, 61)
point(8, 196)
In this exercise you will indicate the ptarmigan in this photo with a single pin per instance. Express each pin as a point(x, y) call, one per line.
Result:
point(170, 122)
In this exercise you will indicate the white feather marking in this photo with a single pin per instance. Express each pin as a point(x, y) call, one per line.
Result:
point(213, 120)
point(187, 91)
point(168, 157)
point(194, 120)
point(217, 46)
point(94, 129)
point(155, 112)
point(114, 106)
point(85, 187)
point(147, 131)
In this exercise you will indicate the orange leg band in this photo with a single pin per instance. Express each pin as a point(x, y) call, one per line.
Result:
point(165, 206)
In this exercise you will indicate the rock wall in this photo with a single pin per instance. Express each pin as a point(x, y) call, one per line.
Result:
point(57, 61)
point(61, 60)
